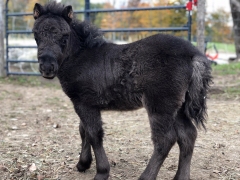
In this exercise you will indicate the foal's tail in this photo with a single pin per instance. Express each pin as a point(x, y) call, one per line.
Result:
point(195, 104)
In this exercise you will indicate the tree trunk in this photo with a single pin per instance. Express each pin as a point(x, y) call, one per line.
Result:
point(235, 9)
point(2, 61)
point(201, 25)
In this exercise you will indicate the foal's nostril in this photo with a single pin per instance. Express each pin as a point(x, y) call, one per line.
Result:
point(41, 66)
point(52, 67)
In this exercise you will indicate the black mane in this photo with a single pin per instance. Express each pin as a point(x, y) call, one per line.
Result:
point(89, 35)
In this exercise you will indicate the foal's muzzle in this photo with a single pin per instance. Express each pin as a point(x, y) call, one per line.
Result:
point(48, 66)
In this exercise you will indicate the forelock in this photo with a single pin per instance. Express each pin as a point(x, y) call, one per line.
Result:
point(54, 8)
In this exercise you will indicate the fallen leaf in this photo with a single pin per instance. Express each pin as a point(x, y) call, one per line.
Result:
point(55, 125)
point(13, 119)
point(70, 159)
point(113, 163)
point(216, 171)
point(48, 118)
point(40, 177)
point(213, 175)
point(32, 167)
point(3, 168)
point(14, 128)
point(71, 166)
point(61, 150)
point(63, 163)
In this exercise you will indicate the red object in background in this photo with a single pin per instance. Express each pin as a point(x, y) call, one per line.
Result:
point(212, 57)
point(189, 6)
point(195, 2)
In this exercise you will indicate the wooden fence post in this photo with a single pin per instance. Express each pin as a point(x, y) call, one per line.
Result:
point(201, 25)
point(2, 61)
point(235, 9)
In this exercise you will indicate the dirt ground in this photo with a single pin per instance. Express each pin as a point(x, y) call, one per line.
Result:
point(40, 139)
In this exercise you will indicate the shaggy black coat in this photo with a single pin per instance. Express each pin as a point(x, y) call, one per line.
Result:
point(165, 74)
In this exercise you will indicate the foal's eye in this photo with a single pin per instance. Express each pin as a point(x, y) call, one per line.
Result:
point(64, 39)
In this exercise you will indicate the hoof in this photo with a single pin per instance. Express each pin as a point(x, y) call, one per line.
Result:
point(180, 178)
point(101, 176)
point(82, 167)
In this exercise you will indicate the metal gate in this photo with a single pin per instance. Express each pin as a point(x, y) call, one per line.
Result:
point(87, 11)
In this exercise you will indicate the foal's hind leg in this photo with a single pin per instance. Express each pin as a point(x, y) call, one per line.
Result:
point(187, 135)
point(164, 136)
point(85, 159)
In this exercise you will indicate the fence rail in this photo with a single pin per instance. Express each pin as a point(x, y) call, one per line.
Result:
point(87, 11)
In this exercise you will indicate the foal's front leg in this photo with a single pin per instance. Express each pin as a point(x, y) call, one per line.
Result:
point(91, 121)
point(85, 159)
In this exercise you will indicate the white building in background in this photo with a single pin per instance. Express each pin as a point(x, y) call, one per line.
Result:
point(214, 5)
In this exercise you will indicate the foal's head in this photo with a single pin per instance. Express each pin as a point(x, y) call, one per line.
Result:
point(51, 31)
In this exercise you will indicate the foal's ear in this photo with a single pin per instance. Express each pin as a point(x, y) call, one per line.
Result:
point(37, 10)
point(68, 13)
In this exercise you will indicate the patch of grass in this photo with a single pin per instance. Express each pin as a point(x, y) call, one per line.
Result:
point(54, 100)
point(20, 80)
point(3, 94)
point(228, 93)
point(223, 47)
point(233, 90)
point(35, 81)
point(226, 69)
point(12, 115)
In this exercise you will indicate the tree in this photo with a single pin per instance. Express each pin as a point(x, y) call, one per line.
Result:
point(235, 9)
point(2, 62)
point(201, 25)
